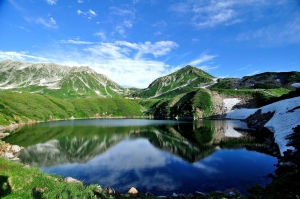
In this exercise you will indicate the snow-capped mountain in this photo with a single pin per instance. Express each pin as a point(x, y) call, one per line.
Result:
point(60, 81)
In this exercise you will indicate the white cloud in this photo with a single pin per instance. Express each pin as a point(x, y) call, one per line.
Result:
point(71, 41)
point(48, 23)
point(211, 13)
point(160, 24)
point(21, 56)
point(128, 64)
point(201, 59)
point(123, 61)
point(52, 21)
point(107, 50)
point(207, 68)
point(51, 2)
point(92, 13)
point(102, 35)
point(122, 19)
point(89, 14)
point(80, 1)
point(275, 34)
point(157, 49)
point(16, 5)
point(122, 12)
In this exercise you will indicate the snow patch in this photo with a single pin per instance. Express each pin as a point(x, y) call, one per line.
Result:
point(240, 114)
point(9, 87)
point(229, 103)
point(286, 117)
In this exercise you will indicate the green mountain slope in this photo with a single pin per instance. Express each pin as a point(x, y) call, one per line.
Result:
point(23, 107)
point(60, 81)
point(184, 80)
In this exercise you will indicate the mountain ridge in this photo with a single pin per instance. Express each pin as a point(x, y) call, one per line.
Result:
point(186, 79)
point(67, 82)
point(50, 78)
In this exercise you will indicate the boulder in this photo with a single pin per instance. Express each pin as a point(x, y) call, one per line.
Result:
point(133, 191)
point(15, 148)
point(8, 155)
point(110, 191)
point(71, 180)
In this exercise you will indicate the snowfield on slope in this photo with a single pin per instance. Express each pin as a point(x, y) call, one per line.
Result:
point(285, 118)
point(229, 103)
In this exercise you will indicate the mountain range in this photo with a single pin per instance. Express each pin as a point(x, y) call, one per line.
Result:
point(80, 82)
point(56, 80)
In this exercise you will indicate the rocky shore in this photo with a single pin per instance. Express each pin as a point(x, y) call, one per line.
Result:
point(10, 152)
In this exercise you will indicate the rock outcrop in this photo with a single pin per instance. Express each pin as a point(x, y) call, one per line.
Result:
point(10, 152)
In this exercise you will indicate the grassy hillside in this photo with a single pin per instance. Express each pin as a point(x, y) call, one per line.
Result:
point(185, 80)
point(22, 107)
point(184, 105)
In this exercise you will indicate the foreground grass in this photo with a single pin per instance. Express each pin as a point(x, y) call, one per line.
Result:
point(18, 181)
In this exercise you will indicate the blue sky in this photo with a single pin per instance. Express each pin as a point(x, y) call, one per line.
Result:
point(134, 42)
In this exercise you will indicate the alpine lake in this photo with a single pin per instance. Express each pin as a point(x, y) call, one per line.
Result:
point(158, 156)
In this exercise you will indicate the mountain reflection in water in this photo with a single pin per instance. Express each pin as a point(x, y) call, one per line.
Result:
point(153, 155)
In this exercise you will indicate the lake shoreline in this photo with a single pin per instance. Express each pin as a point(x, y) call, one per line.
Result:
point(192, 195)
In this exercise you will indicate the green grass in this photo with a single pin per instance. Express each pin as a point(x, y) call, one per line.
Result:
point(279, 91)
point(16, 181)
point(22, 107)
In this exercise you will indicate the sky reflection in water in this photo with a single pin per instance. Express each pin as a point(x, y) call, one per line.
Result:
point(156, 158)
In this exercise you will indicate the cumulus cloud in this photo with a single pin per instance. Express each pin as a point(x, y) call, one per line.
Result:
point(51, 2)
point(80, 1)
point(128, 64)
point(89, 14)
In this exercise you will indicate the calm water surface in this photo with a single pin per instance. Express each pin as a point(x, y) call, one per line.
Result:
point(160, 156)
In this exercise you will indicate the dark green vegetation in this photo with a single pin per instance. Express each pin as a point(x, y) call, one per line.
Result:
point(184, 80)
point(193, 104)
point(16, 108)
point(268, 80)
